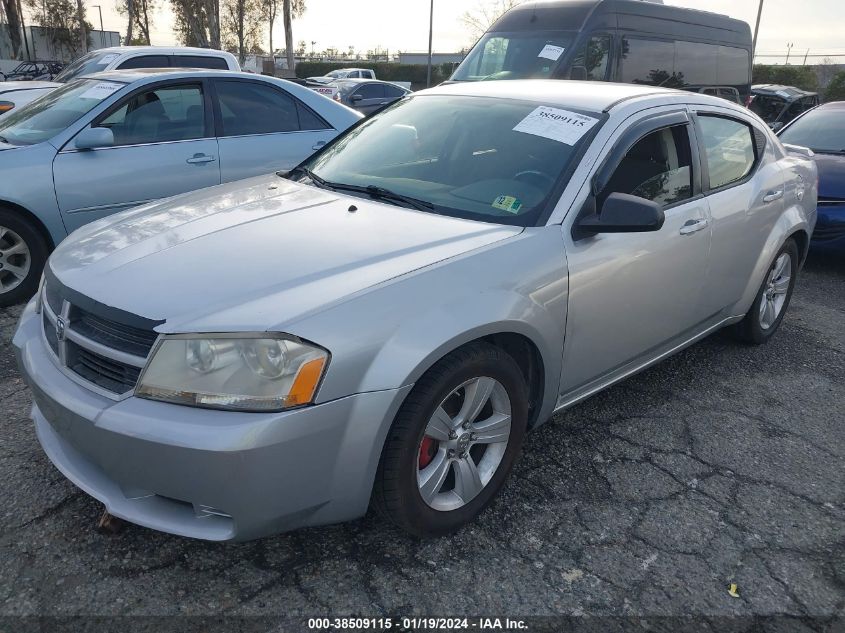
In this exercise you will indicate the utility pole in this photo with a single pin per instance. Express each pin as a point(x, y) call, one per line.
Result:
point(102, 30)
point(430, 34)
point(788, 51)
point(806, 55)
point(756, 30)
point(83, 34)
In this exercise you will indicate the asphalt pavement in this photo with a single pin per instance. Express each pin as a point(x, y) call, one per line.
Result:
point(723, 465)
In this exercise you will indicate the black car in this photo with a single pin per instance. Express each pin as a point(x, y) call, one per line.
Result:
point(31, 71)
point(366, 95)
point(777, 105)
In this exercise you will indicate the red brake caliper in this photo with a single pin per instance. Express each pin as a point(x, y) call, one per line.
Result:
point(428, 449)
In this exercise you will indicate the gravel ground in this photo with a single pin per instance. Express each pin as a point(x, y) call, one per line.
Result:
point(724, 464)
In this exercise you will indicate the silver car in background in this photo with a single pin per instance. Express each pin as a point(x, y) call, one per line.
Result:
point(405, 304)
point(367, 95)
point(114, 140)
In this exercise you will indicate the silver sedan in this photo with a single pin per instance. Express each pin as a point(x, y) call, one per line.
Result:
point(406, 304)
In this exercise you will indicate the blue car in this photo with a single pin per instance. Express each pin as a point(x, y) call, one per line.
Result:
point(822, 129)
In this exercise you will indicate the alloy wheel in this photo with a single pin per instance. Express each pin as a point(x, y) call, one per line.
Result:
point(775, 291)
point(463, 443)
point(15, 260)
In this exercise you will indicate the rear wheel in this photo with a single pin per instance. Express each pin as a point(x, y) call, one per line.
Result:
point(453, 442)
point(23, 252)
point(769, 307)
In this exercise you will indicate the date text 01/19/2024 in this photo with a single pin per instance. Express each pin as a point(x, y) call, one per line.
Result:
point(417, 624)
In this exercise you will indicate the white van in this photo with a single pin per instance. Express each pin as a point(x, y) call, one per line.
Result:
point(124, 57)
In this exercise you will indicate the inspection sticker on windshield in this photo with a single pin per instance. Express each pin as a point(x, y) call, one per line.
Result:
point(559, 125)
point(101, 90)
point(507, 203)
point(552, 52)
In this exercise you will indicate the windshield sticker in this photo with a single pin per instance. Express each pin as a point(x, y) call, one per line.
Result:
point(507, 203)
point(101, 90)
point(559, 125)
point(552, 52)
point(105, 59)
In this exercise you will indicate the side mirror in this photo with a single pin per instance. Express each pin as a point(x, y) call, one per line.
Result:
point(777, 125)
point(623, 213)
point(578, 73)
point(94, 137)
point(355, 98)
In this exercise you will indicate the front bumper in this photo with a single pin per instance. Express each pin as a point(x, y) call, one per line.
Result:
point(829, 233)
point(207, 474)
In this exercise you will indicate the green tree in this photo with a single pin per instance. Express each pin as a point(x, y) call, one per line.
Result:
point(141, 16)
point(197, 22)
point(803, 77)
point(60, 18)
point(291, 9)
point(241, 25)
point(11, 9)
point(836, 88)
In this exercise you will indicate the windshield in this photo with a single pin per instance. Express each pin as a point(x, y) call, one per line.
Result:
point(767, 108)
point(519, 55)
point(85, 65)
point(53, 112)
point(822, 130)
point(474, 157)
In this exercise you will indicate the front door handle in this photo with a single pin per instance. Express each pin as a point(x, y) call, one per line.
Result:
point(773, 195)
point(692, 226)
point(318, 145)
point(199, 159)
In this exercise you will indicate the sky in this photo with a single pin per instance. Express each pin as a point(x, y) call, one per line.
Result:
point(402, 25)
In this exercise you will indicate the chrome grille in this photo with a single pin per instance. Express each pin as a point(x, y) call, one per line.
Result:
point(105, 355)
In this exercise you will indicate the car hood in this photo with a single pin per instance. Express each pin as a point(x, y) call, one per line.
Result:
point(831, 175)
point(254, 254)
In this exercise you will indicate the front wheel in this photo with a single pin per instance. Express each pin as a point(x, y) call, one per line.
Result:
point(769, 307)
point(23, 252)
point(453, 442)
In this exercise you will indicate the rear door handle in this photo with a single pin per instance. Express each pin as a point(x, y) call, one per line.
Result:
point(318, 145)
point(198, 159)
point(773, 195)
point(692, 226)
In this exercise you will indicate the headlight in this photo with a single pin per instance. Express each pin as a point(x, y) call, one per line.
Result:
point(261, 372)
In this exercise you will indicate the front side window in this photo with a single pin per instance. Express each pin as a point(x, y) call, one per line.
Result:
point(767, 107)
point(252, 108)
point(518, 55)
point(658, 167)
point(593, 58)
point(474, 157)
point(822, 130)
point(169, 113)
point(55, 111)
point(728, 149)
point(145, 61)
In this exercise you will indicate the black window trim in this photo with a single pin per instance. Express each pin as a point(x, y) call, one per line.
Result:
point(759, 142)
point(140, 55)
point(208, 133)
point(218, 115)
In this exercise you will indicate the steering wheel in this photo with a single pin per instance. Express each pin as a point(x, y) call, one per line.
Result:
point(530, 175)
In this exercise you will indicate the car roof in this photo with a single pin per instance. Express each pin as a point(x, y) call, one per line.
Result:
point(10, 86)
point(132, 75)
point(164, 50)
point(777, 89)
point(828, 105)
point(588, 95)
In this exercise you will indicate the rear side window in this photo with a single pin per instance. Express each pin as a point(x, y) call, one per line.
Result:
point(146, 61)
point(371, 91)
point(253, 108)
point(728, 148)
point(199, 61)
point(393, 92)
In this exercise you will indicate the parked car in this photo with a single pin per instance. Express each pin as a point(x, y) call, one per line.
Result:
point(344, 73)
point(35, 71)
point(133, 57)
point(388, 320)
point(118, 139)
point(777, 105)
point(628, 41)
point(823, 130)
point(16, 94)
point(366, 95)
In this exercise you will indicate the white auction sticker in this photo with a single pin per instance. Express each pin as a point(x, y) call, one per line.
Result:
point(552, 52)
point(101, 90)
point(559, 125)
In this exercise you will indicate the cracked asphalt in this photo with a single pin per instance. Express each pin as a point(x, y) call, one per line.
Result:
point(724, 464)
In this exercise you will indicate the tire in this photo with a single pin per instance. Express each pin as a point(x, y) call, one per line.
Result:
point(418, 448)
point(758, 326)
point(23, 247)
